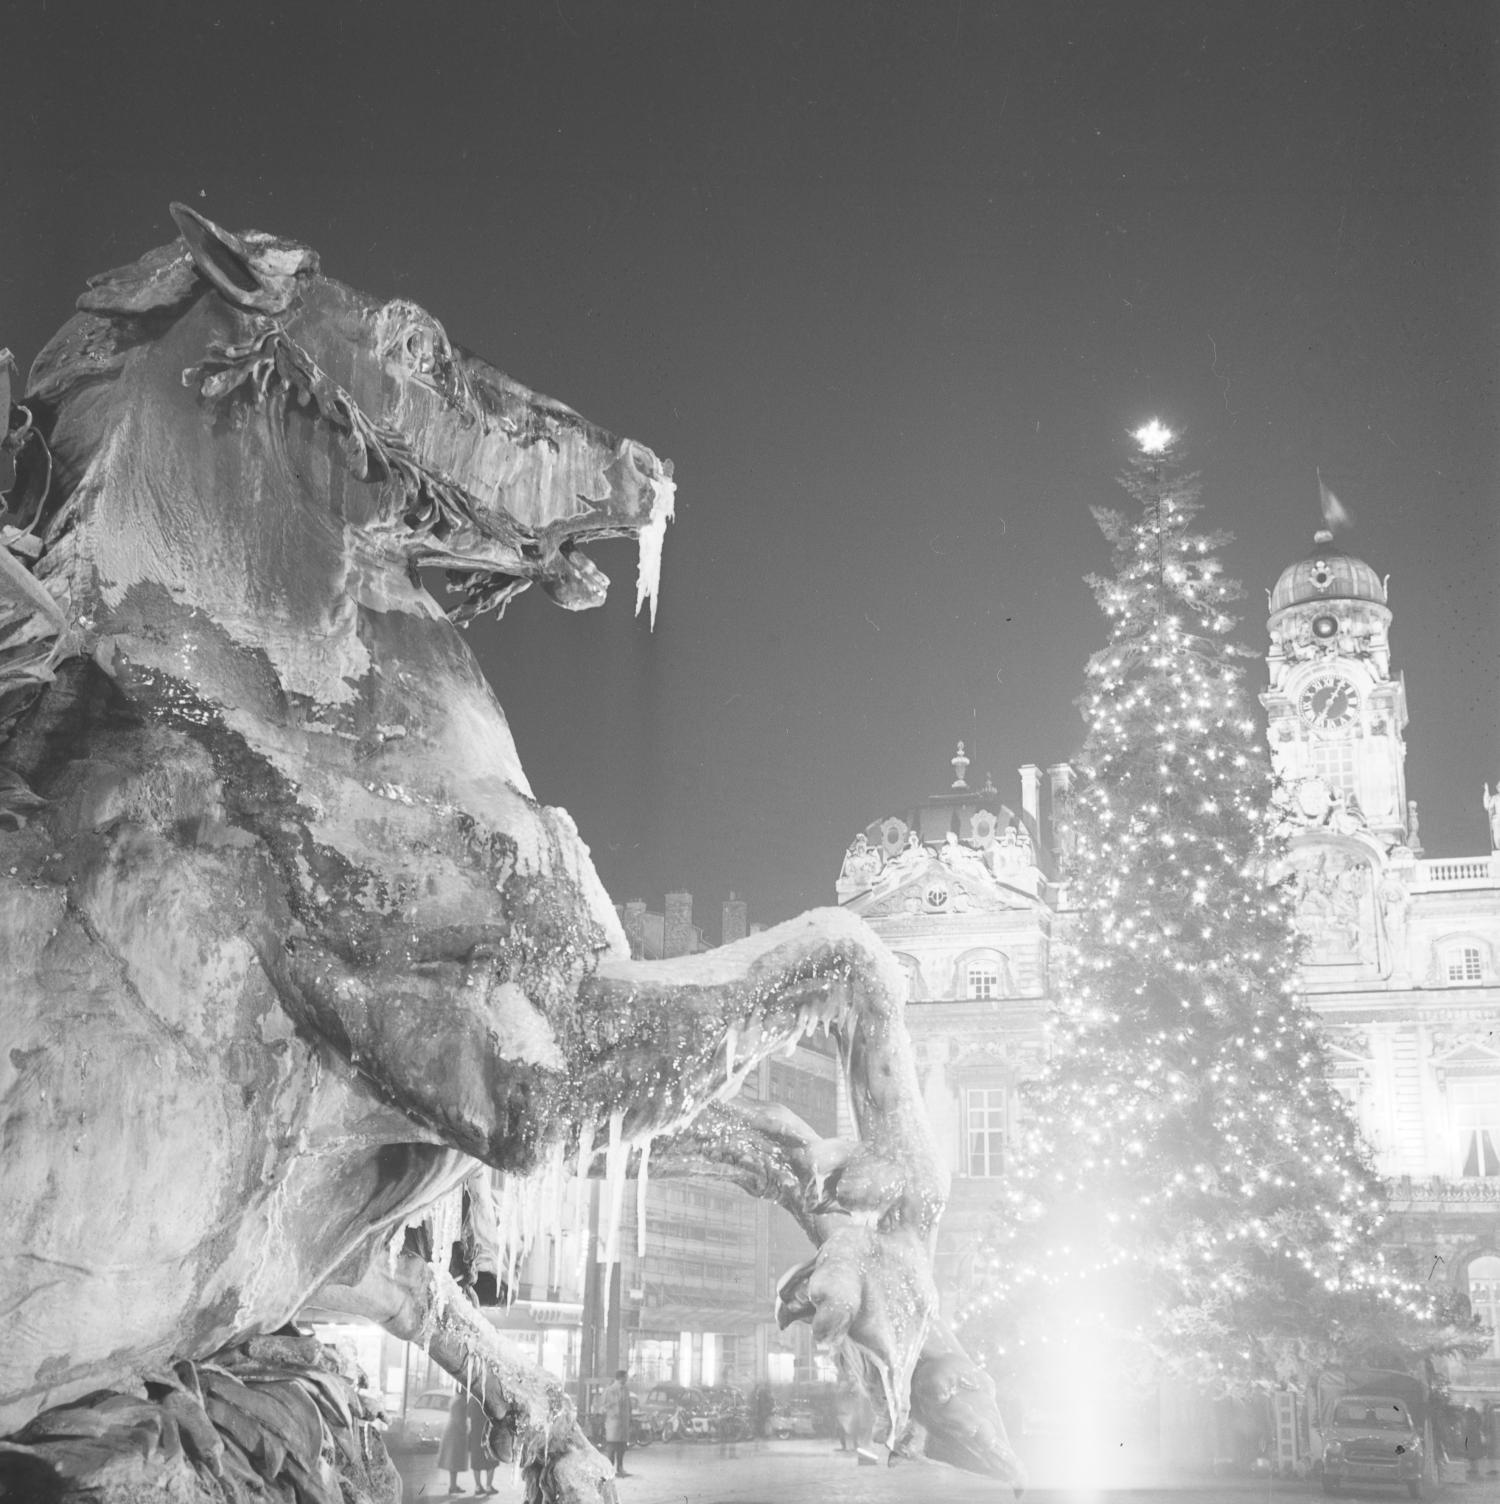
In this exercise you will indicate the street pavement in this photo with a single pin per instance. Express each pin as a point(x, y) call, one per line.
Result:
point(815, 1472)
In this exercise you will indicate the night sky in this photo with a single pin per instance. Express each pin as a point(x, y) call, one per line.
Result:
point(889, 284)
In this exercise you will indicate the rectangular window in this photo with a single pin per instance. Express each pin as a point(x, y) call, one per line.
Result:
point(1333, 762)
point(984, 1125)
point(984, 979)
point(1464, 965)
point(1479, 1153)
point(1484, 1297)
point(1475, 1106)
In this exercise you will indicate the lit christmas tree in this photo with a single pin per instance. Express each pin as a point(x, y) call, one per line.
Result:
point(1192, 1196)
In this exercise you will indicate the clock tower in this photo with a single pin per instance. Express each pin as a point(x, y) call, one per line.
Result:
point(1336, 713)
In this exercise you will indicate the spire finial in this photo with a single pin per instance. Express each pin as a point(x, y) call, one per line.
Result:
point(960, 769)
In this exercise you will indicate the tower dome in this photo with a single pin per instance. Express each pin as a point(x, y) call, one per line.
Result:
point(1326, 575)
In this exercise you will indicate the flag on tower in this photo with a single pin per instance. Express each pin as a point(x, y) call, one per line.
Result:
point(1335, 513)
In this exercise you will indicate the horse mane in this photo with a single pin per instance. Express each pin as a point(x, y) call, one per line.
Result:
point(118, 311)
point(34, 629)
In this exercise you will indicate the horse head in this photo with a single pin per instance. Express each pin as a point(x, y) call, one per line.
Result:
point(404, 450)
point(492, 481)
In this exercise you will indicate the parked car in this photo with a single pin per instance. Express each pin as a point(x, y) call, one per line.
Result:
point(796, 1418)
point(663, 1404)
point(722, 1415)
point(421, 1428)
point(802, 1410)
point(1372, 1438)
point(686, 1416)
point(728, 1413)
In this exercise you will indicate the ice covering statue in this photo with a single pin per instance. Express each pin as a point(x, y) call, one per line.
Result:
point(288, 945)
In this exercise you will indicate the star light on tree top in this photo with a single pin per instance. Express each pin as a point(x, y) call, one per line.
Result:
point(1154, 437)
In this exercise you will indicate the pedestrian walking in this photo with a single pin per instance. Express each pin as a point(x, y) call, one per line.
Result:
point(763, 1405)
point(481, 1457)
point(617, 1421)
point(453, 1452)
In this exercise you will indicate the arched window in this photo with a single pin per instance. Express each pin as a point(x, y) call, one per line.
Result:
point(982, 973)
point(1484, 1296)
point(982, 979)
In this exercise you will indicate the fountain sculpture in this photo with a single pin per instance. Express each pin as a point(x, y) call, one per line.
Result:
point(287, 943)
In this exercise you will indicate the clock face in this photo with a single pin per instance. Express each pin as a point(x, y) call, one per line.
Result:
point(1329, 702)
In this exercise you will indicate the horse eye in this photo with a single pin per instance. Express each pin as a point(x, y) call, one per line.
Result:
point(419, 348)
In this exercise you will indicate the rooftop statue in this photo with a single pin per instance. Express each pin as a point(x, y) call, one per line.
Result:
point(288, 944)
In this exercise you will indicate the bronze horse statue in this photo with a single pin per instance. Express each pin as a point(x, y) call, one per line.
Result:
point(287, 943)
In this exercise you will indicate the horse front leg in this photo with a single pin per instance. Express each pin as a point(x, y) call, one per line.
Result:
point(671, 1035)
point(852, 1287)
point(420, 1304)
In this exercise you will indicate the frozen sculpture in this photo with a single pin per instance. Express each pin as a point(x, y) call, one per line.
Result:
point(287, 944)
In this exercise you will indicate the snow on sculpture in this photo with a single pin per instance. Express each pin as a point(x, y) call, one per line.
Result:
point(289, 946)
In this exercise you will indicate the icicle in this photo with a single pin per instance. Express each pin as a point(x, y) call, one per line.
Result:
point(641, 1186)
point(538, 1194)
point(447, 1224)
point(525, 1222)
point(580, 1188)
point(585, 1162)
point(512, 1231)
point(616, 1162)
point(649, 543)
point(729, 1041)
point(505, 1272)
point(552, 1215)
point(528, 1225)
point(502, 1230)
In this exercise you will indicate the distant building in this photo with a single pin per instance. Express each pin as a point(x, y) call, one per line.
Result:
point(1401, 951)
point(962, 887)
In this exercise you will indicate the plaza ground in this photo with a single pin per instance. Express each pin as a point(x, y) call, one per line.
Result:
point(791, 1472)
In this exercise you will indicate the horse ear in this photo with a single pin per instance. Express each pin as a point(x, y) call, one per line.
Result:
point(234, 269)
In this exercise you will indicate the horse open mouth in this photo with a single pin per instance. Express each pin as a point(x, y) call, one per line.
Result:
point(554, 560)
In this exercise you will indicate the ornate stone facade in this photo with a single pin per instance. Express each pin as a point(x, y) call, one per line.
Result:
point(1401, 952)
point(962, 888)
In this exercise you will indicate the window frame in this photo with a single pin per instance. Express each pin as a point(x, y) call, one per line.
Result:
point(1475, 1125)
point(982, 981)
point(990, 1150)
point(1484, 1302)
point(1463, 963)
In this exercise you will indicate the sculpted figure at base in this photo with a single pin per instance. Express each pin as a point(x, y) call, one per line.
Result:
point(289, 945)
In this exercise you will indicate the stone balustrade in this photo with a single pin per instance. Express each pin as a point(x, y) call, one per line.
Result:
point(1457, 872)
point(1407, 1193)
